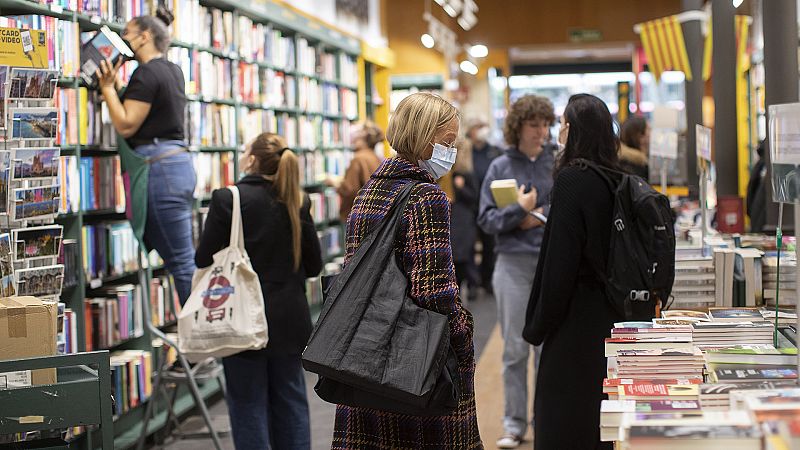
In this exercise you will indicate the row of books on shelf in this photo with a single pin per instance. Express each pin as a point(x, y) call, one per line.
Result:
point(214, 171)
point(316, 166)
point(115, 314)
point(91, 184)
point(131, 379)
point(255, 121)
point(311, 60)
point(84, 119)
point(321, 97)
point(314, 285)
point(678, 380)
point(325, 205)
point(210, 125)
point(109, 249)
point(330, 240)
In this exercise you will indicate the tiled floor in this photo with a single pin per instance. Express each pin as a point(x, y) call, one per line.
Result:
point(322, 413)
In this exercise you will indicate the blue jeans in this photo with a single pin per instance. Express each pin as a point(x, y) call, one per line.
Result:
point(267, 401)
point(170, 198)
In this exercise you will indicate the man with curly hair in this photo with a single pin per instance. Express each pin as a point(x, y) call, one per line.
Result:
point(529, 160)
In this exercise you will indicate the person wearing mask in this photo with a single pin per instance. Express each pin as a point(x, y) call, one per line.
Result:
point(635, 146)
point(483, 153)
point(422, 131)
point(364, 137)
point(150, 117)
point(266, 390)
point(529, 161)
point(465, 215)
point(756, 195)
point(569, 314)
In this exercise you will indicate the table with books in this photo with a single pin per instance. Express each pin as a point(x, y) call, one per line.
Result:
point(725, 378)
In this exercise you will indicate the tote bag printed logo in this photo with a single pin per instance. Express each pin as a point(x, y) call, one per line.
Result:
point(218, 292)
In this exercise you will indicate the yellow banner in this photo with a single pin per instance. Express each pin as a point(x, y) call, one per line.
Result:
point(665, 47)
point(23, 48)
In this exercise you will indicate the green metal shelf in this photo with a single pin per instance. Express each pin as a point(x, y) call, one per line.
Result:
point(206, 99)
point(212, 149)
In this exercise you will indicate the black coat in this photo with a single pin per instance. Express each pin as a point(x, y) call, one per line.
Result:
point(268, 241)
point(464, 218)
point(569, 314)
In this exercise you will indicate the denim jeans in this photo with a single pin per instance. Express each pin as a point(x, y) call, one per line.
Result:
point(170, 198)
point(267, 401)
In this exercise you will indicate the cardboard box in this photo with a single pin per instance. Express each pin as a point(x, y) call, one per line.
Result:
point(27, 329)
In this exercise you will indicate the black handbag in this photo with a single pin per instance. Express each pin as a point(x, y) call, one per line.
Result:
point(372, 346)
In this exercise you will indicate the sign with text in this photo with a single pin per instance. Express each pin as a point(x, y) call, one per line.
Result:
point(23, 48)
point(664, 143)
point(703, 141)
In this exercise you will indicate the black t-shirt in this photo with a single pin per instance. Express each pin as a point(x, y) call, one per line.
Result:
point(160, 83)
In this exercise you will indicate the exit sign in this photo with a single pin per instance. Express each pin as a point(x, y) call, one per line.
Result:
point(585, 35)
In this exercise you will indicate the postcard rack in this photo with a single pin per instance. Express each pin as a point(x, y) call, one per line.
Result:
point(80, 397)
point(30, 193)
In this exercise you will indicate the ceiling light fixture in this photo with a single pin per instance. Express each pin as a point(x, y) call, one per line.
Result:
point(427, 40)
point(737, 3)
point(478, 51)
point(468, 67)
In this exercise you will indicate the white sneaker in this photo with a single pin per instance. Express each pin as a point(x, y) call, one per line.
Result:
point(509, 441)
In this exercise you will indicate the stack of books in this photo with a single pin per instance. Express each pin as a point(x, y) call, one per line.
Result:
point(647, 364)
point(788, 280)
point(695, 283)
point(611, 385)
point(613, 411)
point(717, 396)
point(638, 339)
point(726, 334)
point(712, 429)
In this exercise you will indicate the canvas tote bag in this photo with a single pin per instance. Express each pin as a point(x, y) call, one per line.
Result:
point(224, 314)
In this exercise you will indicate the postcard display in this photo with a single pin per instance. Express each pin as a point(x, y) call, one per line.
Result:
point(29, 189)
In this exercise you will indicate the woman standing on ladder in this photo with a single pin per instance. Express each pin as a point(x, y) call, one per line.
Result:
point(150, 116)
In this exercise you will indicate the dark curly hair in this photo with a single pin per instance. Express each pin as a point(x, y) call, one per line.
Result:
point(527, 107)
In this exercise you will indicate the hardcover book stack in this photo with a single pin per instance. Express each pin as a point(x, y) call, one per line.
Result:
point(613, 411)
point(788, 280)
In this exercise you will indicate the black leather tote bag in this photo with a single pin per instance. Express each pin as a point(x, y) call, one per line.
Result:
point(372, 346)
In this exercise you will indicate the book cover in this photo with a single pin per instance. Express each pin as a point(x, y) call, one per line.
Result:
point(735, 314)
point(504, 192)
point(106, 44)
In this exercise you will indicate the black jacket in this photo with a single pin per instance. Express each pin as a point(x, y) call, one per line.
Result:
point(569, 313)
point(268, 241)
point(464, 218)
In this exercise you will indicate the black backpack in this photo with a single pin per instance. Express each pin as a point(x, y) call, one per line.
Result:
point(640, 268)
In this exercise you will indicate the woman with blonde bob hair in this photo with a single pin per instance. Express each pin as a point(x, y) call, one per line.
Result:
point(422, 132)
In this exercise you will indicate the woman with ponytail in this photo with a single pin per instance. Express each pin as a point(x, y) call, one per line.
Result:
point(266, 388)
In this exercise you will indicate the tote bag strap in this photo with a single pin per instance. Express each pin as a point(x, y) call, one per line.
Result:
point(237, 230)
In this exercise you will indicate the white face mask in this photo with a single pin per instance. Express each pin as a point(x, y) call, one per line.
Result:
point(441, 161)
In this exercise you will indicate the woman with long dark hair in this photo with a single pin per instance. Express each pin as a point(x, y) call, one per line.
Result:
point(568, 312)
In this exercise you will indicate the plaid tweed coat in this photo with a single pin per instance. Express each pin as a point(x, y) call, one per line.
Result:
point(423, 247)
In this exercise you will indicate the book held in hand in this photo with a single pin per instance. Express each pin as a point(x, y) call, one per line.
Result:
point(106, 44)
point(504, 193)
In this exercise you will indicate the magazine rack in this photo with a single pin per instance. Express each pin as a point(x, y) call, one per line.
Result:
point(81, 396)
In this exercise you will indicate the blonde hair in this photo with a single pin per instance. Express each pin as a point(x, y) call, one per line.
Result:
point(416, 121)
point(275, 160)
